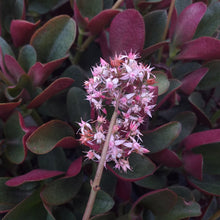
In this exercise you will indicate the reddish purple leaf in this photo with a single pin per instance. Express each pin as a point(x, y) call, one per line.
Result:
point(193, 164)
point(203, 48)
point(127, 32)
point(74, 168)
point(173, 23)
point(32, 176)
point(21, 31)
point(7, 108)
point(201, 138)
point(80, 20)
point(103, 42)
point(187, 22)
point(100, 21)
point(40, 72)
point(190, 82)
point(54, 88)
point(124, 189)
point(13, 68)
point(153, 48)
point(167, 158)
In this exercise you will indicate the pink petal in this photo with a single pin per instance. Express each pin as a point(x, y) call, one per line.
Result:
point(188, 21)
point(54, 88)
point(32, 176)
point(203, 48)
point(21, 31)
point(190, 82)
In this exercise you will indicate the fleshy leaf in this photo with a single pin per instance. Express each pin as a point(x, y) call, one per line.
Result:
point(209, 184)
point(61, 190)
point(193, 164)
point(141, 167)
point(161, 137)
point(30, 208)
point(21, 31)
point(53, 40)
point(190, 82)
point(32, 176)
point(77, 105)
point(127, 32)
point(187, 22)
point(210, 21)
point(166, 157)
point(54, 88)
point(123, 190)
point(9, 197)
point(40, 72)
point(74, 168)
point(158, 202)
point(50, 135)
point(100, 21)
point(203, 48)
point(162, 82)
point(155, 23)
point(27, 57)
point(7, 108)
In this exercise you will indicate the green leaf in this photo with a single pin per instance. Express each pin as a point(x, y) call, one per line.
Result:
point(155, 23)
point(48, 135)
point(63, 213)
point(27, 57)
point(53, 40)
point(10, 196)
point(141, 167)
point(77, 105)
point(212, 78)
point(14, 151)
point(161, 137)
point(209, 184)
point(183, 192)
point(182, 210)
point(30, 208)
point(180, 5)
point(188, 122)
point(89, 8)
point(210, 153)
point(210, 21)
point(162, 82)
point(61, 190)
point(6, 49)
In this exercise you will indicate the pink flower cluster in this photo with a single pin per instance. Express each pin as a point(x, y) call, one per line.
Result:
point(124, 84)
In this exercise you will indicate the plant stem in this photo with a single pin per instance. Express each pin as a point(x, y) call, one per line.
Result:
point(117, 4)
point(172, 5)
point(95, 184)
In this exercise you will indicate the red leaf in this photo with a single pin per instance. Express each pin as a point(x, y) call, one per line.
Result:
point(74, 168)
point(103, 42)
point(167, 158)
point(203, 48)
point(80, 20)
point(188, 21)
point(40, 72)
point(21, 31)
point(124, 189)
point(13, 68)
point(7, 108)
point(127, 32)
point(190, 82)
point(54, 88)
point(193, 164)
point(100, 21)
point(201, 138)
point(32, 176)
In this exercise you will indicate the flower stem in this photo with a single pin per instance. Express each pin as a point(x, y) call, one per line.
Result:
point(95, 184)
point(172, 5)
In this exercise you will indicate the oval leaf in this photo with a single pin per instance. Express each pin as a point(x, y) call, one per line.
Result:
point(161, 137)
point(127, 32)
point(49, 136)
point(162, 82)
point(53, 39)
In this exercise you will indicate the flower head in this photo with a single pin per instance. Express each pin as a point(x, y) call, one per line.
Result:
point(130, 82)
